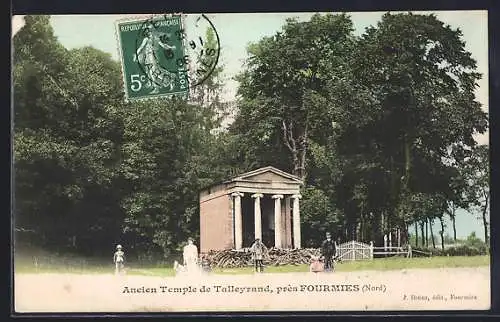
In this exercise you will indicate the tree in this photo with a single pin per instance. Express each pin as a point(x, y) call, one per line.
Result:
point(441, 232)
point(281, 87)
point(473, 241)
point(172, 149)
point(420, 114)
point(318, 217)
point(163, 169)
point(476, 173)
point(66, 138)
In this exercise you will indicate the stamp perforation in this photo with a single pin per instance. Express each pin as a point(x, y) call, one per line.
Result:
point(181, 72)
point(118, 36)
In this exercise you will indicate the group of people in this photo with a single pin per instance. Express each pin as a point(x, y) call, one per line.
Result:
point(192, 263)
point(318, 263)
point(326, 260)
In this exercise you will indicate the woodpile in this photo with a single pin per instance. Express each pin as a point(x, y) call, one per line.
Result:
point(273, 257)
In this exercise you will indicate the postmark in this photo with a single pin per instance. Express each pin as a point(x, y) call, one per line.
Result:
point(202, 48)
point(161, 57)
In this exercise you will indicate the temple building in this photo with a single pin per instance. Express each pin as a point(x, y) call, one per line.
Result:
point(263, 203)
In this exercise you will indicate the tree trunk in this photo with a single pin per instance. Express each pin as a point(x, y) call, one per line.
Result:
point(454, 227)
point(422, 233)
point(407, 163)
point(451, 212)
point(442, 232)
point(296, 142)
point(485, 222)
point(426, 232)
point(432, 234)
point(382, 223)
point(416, 234)
point(405, 237)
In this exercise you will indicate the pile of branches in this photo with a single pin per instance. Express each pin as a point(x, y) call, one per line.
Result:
point(273, 257)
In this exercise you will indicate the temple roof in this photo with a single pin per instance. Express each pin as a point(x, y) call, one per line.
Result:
point(268, 173)
point(263, 175)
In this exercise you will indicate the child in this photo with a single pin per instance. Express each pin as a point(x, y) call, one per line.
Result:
point(179, 269)
point(316, 265)
point(119, 259)
point(205, 264)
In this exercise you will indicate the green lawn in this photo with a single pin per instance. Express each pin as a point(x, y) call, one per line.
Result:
point(394, 263)
point(57, 265)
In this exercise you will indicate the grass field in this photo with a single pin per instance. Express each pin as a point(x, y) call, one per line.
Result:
point(26, 264)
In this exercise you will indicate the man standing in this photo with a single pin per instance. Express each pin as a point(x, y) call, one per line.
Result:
point(258, 249)
point(119, 259)
point(190, 256)
point(328, 251)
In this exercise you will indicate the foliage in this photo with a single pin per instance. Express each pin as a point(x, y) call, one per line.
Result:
point(66, 138)
point(318, 217)
point(475, 170)
point(92, 170)
point(413, 119)
point(462, 250)
point(281, 103)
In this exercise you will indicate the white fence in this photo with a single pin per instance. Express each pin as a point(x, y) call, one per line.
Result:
point(354, 250)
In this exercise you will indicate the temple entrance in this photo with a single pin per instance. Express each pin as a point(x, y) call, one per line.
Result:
point(248, 220)
point(267, 206)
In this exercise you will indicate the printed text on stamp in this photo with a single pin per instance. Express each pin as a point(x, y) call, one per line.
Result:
point(150, 53)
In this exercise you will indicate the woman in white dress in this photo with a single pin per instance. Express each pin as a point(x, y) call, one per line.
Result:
point(190, 256)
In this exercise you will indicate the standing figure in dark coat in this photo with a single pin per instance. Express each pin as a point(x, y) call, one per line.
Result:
point(328, 250)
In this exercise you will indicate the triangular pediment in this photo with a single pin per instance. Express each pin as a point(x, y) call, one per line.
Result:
point(268, 174)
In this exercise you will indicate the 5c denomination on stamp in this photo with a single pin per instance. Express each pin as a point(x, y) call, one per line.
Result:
point(161, 57)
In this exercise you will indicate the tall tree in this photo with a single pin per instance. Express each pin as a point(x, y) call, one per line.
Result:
point(285, 76)
point(422, 111)
point(164, 167)
point(441, 232)
point(66, 138)
point(476, 172)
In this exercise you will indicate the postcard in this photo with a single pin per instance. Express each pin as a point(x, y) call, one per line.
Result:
point(251, 162)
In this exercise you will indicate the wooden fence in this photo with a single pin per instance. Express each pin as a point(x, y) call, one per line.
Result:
point(354, 250)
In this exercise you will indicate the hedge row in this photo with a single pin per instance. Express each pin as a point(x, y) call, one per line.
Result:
point(462, 250)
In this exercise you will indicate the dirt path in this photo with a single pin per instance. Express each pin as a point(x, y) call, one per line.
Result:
point(416, 289)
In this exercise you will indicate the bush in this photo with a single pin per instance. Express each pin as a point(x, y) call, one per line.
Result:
point(462, 250)
point(428, 252)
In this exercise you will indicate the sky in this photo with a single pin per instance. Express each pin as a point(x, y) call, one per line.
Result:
point(236, 31)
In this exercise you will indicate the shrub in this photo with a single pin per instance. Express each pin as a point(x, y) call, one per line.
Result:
point(462, 250)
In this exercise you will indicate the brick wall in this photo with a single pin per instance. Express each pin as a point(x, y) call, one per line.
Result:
point(216, 224)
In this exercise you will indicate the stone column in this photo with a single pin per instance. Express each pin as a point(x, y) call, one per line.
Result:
point(257, 215)
point(277, 220)
point(287, 208)
point(296, 221)
point(238, 220)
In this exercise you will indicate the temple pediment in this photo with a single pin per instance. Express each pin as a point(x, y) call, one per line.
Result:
point(268, 174)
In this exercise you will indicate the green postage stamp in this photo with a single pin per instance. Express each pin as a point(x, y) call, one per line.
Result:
point(153, 57)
